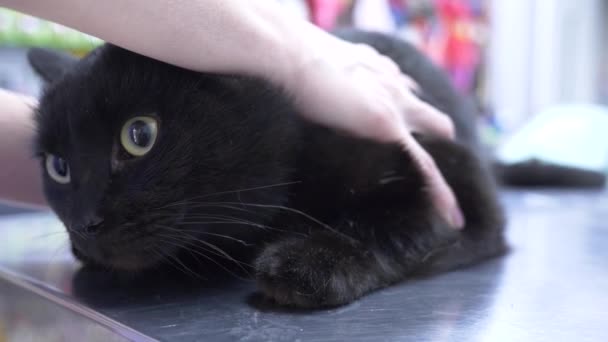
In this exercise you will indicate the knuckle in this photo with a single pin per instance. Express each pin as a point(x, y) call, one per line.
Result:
point(390, 87)
point(390, 63)
point(418, 106)
point(380, 120)
point(408, 82)
point(364, 48)
point(450, 128)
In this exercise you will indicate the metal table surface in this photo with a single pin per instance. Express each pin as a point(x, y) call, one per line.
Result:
point(552, 286)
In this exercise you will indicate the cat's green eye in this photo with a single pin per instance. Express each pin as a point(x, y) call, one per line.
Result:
point(57, 168)
point(138, 135)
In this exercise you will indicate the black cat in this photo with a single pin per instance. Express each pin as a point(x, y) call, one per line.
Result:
point(146, 163)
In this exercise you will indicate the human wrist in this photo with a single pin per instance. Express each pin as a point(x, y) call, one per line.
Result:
point(285, 44)
point(299, 49)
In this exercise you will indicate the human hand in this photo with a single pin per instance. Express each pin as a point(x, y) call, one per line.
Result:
point(353, 88)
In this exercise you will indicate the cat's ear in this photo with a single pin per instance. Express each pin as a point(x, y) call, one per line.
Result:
point(50, 64)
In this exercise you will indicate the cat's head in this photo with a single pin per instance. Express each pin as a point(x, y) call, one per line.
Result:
point(136, 154)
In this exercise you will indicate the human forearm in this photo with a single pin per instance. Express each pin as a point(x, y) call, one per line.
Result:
point(248, 36)
point(19, 172)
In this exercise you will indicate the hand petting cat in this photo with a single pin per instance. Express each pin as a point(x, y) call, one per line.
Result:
point(355, 89)
point(343, 85)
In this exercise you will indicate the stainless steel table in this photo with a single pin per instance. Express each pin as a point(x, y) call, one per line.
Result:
point(553, 286)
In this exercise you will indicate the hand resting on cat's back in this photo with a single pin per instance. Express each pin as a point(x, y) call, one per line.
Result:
point(146, 163)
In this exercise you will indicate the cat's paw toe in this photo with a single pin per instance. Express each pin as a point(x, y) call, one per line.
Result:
point(294, 274)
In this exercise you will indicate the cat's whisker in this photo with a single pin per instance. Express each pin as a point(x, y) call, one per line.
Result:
point(196, 219)
point(46, 235)
point(214, 216)
point(218, 251)
point(279, 207)
point(192, 250)
point(246, 244)
point(180, 265)
point(163, 257)
point(251, 224)
point(191, 247)
point(79, 234)
point(186, 241)
point(180, 231)
point(188, 218)
point(60, 249)
point(236, 208)
point(202, 215)
point(185, 201)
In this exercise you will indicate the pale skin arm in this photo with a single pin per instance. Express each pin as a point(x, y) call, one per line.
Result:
point(19, 174)
point(336, 83)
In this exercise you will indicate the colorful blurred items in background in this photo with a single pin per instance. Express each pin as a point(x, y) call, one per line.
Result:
point(18, 29)
point(326, 13)
point(460, 52)
point(451, 32)
point(19, 32)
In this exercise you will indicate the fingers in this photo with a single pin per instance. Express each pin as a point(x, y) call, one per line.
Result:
point(409, 82)
point(441, 195)
point(365, 94)
point(426, 119)
point(418, 115)
point(403, 112)
point(377, 62)
point(421, 117)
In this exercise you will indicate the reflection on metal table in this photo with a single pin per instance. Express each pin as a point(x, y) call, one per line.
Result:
point(550, 287)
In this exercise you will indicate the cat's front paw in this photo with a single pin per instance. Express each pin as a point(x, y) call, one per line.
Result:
point(309, 273)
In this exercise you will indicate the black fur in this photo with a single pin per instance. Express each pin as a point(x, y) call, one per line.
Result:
point(331, 217)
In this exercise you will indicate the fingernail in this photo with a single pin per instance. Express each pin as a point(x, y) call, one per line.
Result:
point(457, 218)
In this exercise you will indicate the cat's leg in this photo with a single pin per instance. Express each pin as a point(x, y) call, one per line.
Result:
point(329, 269)
point(384, 241)
point(370, 248)
point(320, 270)
point(377, 247)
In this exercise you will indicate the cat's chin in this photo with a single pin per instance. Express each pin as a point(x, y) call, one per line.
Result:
point(125, 262)
point(131, 264)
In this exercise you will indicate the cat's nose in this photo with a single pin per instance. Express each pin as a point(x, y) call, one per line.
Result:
point(89, 226)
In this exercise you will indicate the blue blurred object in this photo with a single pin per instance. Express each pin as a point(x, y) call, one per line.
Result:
point(569, 135)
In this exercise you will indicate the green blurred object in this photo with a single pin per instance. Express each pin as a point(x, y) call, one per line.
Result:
point(572, 135)
point(18, 29)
